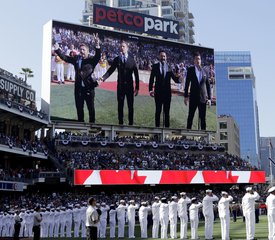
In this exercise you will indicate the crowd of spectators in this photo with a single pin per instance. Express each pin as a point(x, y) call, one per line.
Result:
point(24, 144)
point(22, 174)
point(150, 160)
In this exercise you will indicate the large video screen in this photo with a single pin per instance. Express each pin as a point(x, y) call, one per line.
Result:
point(130, 80)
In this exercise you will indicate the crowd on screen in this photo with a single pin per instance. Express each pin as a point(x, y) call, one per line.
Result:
point(144, 53)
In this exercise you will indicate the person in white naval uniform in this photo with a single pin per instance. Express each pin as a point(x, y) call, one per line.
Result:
point(155, 215)
point(22, 215)
point(121, 214)
point(51, 222)
point(224, 214)
point(83, 210)
point(248, 206)
point(11, 221)
point(77, 219)
point(112, 220)
point(44, 223)
point(103, 220)
point(143, 218)
point(208, 213)
point(56, 222)
point(173, 216)
point(194, 217)
point(131, 214)
point(182, 212)
point(270, 204)
point(62, 221)
point(69, 221)
point(28, 225)
point(163, 217)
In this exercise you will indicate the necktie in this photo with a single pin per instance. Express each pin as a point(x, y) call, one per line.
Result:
point(162, 70)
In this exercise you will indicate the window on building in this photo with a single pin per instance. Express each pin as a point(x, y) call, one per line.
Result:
point(223, 125)
point(166, 11)
point(223, 136)
point(145, 12)
point(124, 3)
point(236, 76)
point(225, 146)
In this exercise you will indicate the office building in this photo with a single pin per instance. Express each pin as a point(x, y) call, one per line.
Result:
point(228, 134)
point(236, 96)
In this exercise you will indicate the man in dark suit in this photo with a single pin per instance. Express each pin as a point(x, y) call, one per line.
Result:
point(200, 94)
point(160, 80)
point(84, 87)
point(126, 66)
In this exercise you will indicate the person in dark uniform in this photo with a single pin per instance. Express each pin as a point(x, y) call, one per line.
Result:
point(126, 66)
point(92, 219)
point(160, 80)
point(17, 225)
point(37, 219)
point(200, 94)
point(85, 83)
point(234, 210)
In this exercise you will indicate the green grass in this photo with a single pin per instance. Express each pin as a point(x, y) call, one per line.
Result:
point(237, 230)
point(63, 106)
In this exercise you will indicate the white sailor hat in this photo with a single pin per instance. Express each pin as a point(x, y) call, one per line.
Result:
point(193, 199)
point(103, 204)
point(143, 203)
point(156, 198)
point(122, 201)
point(77, 205)
point(164, 199)
point(249, 189)
point(208, 191)
point(272, 189)
point(183, 193)
point(224, 193)
point(63, 208)
point(174, 197)
point(132, 201)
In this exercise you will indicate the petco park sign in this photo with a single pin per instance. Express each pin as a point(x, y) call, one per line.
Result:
point(114, 17)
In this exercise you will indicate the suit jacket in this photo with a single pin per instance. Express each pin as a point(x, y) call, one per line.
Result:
point(125, 72)
point(87, 65)
point(161, 85)
point(199, 91)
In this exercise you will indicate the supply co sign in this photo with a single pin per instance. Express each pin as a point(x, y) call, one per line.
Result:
point(114, 17)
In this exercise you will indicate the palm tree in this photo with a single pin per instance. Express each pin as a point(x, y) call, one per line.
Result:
point(27, 72)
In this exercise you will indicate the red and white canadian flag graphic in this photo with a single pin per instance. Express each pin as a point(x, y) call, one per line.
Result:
point(140, 177)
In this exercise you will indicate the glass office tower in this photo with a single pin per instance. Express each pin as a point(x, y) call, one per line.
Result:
point(236, 96)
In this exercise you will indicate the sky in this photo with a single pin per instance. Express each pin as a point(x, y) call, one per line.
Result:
point(223, 25)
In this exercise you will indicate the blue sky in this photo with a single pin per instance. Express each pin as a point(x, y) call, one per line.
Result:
point(222, 25)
